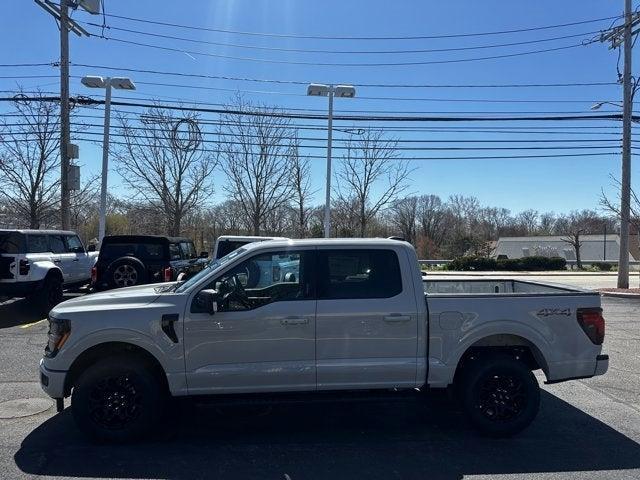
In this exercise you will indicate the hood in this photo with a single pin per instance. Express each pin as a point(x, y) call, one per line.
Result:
point(129, 297)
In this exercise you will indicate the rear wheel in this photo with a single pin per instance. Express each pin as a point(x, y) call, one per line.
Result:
point(118, 400)
point(499, 394)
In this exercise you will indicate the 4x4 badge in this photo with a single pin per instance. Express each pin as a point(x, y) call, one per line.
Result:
point(548, 312)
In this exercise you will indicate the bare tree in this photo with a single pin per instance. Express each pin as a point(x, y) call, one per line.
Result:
point(431, 217)
point(371, 175)
point(164, 165)
point(300, 171)
point(529, 220)
point(577, 224)
point(256, 159)
point(404, 215)
point(29, 160)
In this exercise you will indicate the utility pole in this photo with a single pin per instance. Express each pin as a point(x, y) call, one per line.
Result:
point(64, 116)
point(625, 194)
point(61, 14)
point(623, 35)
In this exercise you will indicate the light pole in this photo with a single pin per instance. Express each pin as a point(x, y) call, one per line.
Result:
point(320, 90)
point(107, 83)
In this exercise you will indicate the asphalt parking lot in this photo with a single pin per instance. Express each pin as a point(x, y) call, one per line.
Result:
point(586, 429)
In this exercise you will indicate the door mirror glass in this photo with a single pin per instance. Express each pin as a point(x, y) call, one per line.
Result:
point(206, 301)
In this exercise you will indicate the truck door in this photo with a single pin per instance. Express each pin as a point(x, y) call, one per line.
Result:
point(64, 259)
point(366, 319)
point(262, 338)
point(80, 267)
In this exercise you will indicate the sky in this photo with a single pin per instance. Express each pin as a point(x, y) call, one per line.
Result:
point(558, 183)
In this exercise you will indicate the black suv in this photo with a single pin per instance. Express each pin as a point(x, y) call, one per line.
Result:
point(127, 260)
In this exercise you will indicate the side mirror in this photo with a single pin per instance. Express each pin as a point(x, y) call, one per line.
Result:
point(91, 248)
point(206, 301)
point(204, 254)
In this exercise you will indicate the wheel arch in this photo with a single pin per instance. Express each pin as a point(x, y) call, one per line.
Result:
point(93, 354)
point(516, 345)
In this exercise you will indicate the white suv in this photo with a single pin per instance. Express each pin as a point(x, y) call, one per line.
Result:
point(40, 263)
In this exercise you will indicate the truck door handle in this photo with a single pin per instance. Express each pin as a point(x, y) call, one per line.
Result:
point(76, 259)
point(56, 261)
point(294, 321)
point(397, 318)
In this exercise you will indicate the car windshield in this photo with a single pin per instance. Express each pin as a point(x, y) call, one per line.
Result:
point(206, 271)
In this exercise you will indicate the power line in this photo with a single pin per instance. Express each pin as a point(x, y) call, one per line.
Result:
point(324, 37)
point(339, 52)
point(337, 64)
point(323, 139)
point(341, 147)
point(371, 85)
point(19, 65)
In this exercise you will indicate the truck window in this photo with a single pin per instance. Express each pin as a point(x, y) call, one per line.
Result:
point(10, 242)
point(143, 251)
point(355, 274)
point(174, 252)
point(37, 244)
point(56, 244)
point(74, 245)
point(227, 246)
point(263, 279)
point(188, 250)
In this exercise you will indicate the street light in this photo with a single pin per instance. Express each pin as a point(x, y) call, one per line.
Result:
point(600, 104)
point(120, 83)
point(320, 90)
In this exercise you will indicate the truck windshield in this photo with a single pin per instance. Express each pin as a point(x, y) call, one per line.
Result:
point(206, 271)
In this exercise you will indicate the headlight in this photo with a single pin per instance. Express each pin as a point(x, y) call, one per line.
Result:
point(59, 331)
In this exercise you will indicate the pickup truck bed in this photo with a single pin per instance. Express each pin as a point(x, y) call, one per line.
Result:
point(466, 310)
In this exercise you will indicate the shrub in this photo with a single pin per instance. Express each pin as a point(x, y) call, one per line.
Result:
point(507, 264)
point(604, 267)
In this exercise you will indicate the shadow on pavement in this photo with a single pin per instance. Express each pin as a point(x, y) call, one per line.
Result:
point(20, 311)
point(346, 440)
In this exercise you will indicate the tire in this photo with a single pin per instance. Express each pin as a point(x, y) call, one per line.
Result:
point(118, 400)
point(126, 272)
point(499, 395)
point(49, 295)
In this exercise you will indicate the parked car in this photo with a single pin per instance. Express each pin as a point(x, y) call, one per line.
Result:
point(351, 315)
point(41, 263)
point(226, 244)
point(129, 260)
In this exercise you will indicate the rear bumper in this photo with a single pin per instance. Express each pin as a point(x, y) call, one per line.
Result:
point(19, 289)
point(52, 381)
point(602, 365)
point(576, 371)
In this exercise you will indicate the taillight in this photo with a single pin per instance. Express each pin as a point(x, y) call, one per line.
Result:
point(23, 268)
point(94, 274)
point(168, 273)
point(592, 322)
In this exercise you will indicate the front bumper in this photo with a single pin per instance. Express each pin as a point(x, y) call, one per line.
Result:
point(52, 381)
point(602, 365)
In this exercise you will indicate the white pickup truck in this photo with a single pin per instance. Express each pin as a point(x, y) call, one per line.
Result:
point(335, 315)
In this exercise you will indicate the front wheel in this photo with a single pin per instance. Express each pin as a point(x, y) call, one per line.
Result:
point(500, 395)
point(117, 400)
point(50, 295)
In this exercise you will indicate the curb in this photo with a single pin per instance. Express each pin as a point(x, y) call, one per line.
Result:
point(621, 295)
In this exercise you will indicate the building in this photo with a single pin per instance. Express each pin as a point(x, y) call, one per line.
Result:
point(594, 248)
